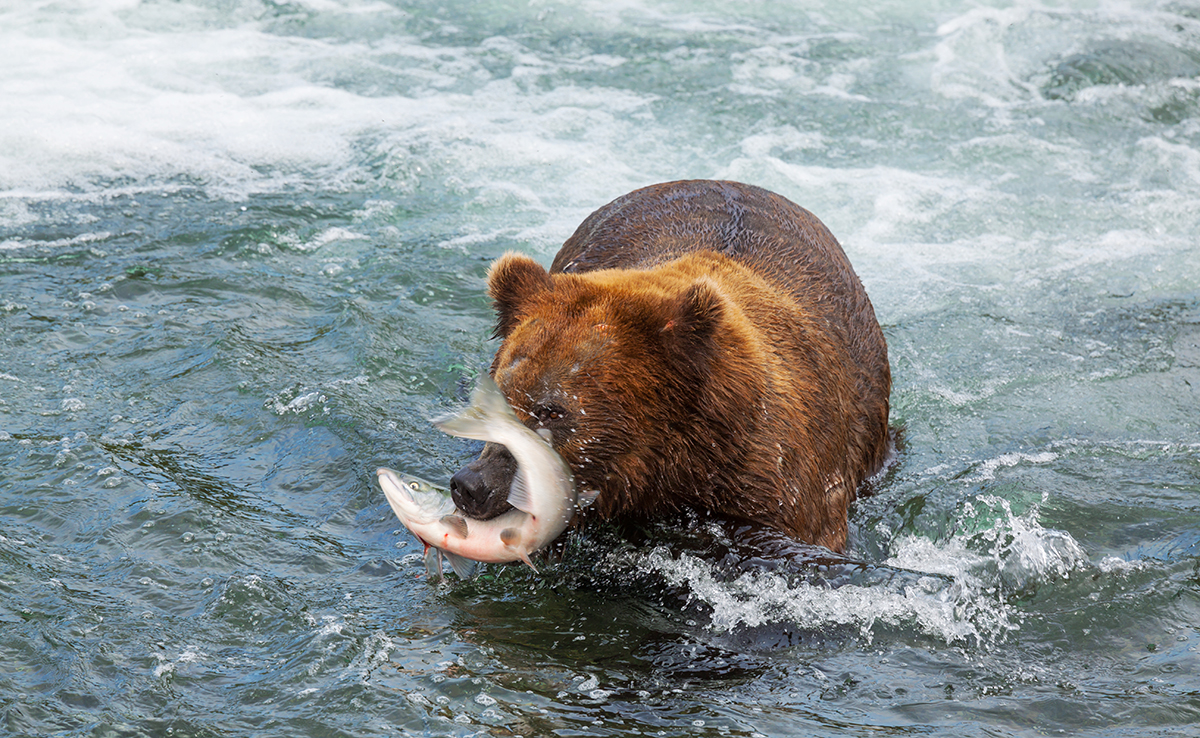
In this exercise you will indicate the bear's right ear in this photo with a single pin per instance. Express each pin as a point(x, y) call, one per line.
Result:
point(696, 316)
point(512, 280)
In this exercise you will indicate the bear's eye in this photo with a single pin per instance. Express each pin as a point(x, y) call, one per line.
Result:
point(549, 413)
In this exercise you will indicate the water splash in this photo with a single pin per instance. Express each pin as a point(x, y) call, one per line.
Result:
point(1016, 551)
point(960, 590)
point(759, 598)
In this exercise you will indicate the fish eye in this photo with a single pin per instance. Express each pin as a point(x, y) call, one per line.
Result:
point(413, 486)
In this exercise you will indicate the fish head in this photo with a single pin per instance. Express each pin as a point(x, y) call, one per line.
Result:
point(419, 489)
point(412, 498)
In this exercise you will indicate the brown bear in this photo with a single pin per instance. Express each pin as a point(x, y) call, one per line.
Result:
point(695, 344)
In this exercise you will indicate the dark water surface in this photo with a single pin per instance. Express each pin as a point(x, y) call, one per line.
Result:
point(242, 253)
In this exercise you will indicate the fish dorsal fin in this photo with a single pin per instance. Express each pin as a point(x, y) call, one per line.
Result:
point(586, 497)
point(456, 524)
point(464, 568)
point(510, 537)
point(488, 397)
point(487, 407)
point(520, 494)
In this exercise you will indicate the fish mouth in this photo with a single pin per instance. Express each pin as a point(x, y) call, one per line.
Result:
point(389, 482)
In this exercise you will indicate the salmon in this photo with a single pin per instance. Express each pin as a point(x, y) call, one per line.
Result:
point(543, 493)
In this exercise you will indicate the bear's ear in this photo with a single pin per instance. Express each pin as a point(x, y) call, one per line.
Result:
point(512, 280)
point(696, 315)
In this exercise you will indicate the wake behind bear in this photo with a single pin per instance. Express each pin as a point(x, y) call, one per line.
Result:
point(696, 344)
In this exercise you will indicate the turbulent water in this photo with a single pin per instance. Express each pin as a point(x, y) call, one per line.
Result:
point(242, 251)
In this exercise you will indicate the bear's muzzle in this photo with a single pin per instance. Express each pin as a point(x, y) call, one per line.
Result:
point(480, 489)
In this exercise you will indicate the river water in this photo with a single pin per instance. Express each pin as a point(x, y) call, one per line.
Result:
point(242, 253)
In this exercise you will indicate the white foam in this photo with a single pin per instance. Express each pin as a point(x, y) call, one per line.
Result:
point(299, 404)
point(973, 61)
point(120, 97)
point(105, 120)
point(1014, 550)
point(987, 469)
point(83, 238)
point(994, 554)
point(331, 625)
point(955, 614)
point(1121, 567)
point(360, 380)
point(332, 235)
point(239, 109)
point(166, 665)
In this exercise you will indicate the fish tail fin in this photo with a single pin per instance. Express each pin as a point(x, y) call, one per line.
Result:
point(487, 405)
point(464, 568)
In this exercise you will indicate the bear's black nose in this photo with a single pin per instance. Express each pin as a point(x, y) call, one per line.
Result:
point(480, 489)
point(471, 493)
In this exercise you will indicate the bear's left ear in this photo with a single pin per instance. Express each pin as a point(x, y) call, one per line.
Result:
point(696, 315)
point(512, 280)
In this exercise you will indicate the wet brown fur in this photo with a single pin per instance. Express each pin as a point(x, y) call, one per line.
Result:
point(699, 344)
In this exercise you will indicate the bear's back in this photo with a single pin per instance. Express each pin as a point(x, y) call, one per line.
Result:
point(653, 225)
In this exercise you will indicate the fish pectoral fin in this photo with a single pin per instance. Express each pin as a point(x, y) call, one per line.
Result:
point(464, 568)
point(586, 497)
point(520, 494)
point(511, 537)
point(456, 524)
point(433, 562)
point(525, 558)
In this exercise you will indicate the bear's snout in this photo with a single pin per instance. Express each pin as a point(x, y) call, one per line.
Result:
point(469, 491)
point(480, 489)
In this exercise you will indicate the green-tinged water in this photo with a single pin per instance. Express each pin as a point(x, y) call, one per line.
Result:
point(242, 260)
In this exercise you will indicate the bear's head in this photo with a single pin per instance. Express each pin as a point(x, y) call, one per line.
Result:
point(638, 376)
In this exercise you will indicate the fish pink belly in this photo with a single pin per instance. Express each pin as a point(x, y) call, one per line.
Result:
point(483, 544)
